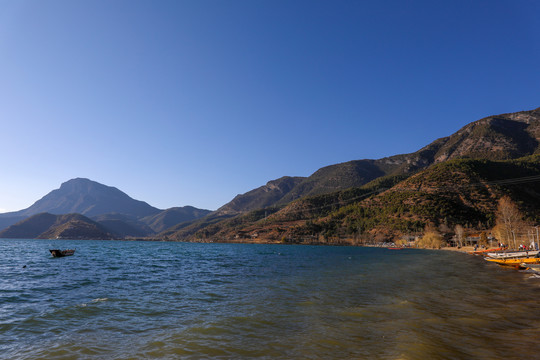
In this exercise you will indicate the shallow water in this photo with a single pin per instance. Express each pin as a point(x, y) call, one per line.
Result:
point(132, 300)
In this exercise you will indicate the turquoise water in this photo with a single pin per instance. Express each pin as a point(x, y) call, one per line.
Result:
point(146, 300)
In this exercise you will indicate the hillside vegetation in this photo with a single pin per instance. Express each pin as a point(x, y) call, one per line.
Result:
point(49, 226)
point(455, 180)
point(455, 192)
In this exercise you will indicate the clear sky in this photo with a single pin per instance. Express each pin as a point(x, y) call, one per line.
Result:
point(193, 102)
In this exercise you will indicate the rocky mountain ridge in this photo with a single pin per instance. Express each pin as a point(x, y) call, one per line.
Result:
point(494, 138)
point(50, 226)
point(498, 137)
point(116, 211)
point(460, 191)
point(357, 184)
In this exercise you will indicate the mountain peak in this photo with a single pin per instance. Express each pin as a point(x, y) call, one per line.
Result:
point(78, 184)
point(78, 180)
point(89, 198)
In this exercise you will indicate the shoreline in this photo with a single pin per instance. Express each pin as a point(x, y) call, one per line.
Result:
point(463, 249)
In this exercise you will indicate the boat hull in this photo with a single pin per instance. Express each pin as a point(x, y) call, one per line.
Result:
point(512, 254)
point(485, 252)
point(62, 253)
point(517, 263)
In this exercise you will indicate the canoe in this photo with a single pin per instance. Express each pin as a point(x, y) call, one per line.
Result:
point(484, 252)
point(500, 262)
point(62, 253)
point(517, 263)
point(512, 254)
point(529, 260)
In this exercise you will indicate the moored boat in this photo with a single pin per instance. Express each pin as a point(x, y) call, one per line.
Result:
point(529, 260)
point(517, 262)
point(485, 252)
point(512, 254)
point(62, 253)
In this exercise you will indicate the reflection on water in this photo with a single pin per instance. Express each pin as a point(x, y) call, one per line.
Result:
point(121, 300)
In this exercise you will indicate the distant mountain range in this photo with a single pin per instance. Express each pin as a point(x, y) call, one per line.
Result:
point(49, 226)
point(117, 214)
point(89, 198)
point(501, 137)
point(259, 213)
point(360, 196)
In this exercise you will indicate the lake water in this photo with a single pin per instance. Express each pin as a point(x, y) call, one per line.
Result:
point(154, 300)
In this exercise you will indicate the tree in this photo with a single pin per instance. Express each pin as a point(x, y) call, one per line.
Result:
point(460, 231)
point(431, 239)
point(509, 221)
point(483, 238)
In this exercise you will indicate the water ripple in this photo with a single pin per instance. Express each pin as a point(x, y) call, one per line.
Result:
point(121, 300)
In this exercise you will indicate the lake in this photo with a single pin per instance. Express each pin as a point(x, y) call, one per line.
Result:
point(164, 300)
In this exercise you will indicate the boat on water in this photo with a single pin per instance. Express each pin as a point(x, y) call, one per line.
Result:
point(517, 262)
point(512, 254)
point(62, 253)
point(486, 251)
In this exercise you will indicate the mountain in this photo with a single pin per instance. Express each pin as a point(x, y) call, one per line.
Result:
point(327, 179)
point(9, 220)
point(89, 198)
point(338, 177)
point(172, 217)
point(112, 208)
point(373, 190)
point(50, 226)
point(494, 138)
point(123, 225)
point(456, 192)
point(272, 193)
point(499, 137)
point(129, 226)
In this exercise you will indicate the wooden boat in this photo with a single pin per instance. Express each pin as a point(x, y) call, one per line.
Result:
point(517, 266)
point(512, 254)
point(529, 260)
point(62, 253)
point(484, 252)
point(518, 263)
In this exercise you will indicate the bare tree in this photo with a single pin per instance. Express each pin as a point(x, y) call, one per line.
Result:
point(483, 239)
point(460, 231)
point(509, 220)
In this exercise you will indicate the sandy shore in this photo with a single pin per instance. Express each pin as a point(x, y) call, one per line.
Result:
point(462, 249)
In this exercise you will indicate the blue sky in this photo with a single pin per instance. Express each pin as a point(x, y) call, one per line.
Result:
point(193, 102)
